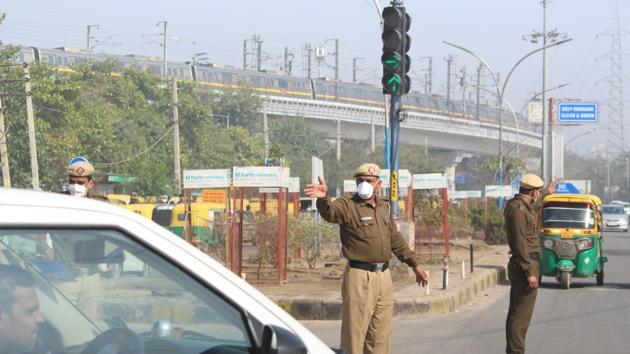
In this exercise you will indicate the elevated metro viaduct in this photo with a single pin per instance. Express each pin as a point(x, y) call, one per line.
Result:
point(442, 133)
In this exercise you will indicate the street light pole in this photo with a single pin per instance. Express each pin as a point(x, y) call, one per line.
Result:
point(164, 47)
point(547, 149)
point(507, 103)
point(501, 89)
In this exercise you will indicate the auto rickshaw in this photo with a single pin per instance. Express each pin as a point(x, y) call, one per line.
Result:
point(571, 238)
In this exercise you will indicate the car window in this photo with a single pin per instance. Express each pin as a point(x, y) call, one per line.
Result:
point(613, 210)
point(93, 282)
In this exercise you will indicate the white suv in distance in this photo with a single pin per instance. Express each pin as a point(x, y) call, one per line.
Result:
point(186, 303)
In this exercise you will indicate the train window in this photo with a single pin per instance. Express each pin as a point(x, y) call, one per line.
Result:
point(283, 84)
point(228, 77)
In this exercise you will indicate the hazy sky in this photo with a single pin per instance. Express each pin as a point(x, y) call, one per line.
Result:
point(491, 28)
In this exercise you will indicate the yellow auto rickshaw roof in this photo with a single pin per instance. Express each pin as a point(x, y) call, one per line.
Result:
point(573, 198)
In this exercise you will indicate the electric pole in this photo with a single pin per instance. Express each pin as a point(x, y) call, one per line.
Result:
point(288, 61)
point(354, 68)
point(478, 90)
point(309, 60)
point(258, 43)
point(615, 137)
point(463, 83)
point(336, 54)
point(176, 151)
point(89, 35)
point(428, 77)
point(449, 63)
point(4, 155)
point(30, 120)
point(244, 54)
point(164, 46)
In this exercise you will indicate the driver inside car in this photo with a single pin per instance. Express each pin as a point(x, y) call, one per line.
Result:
point(20, 316)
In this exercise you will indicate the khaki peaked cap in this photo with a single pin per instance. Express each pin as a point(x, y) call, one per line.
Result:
point(368, 169)
point(531, 181)
point(80, 167)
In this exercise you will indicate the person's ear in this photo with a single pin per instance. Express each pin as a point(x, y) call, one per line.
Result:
point(90, 184)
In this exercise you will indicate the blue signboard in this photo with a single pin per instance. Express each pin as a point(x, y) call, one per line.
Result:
point(577, 112)
point(460, 179)
point(567, 188)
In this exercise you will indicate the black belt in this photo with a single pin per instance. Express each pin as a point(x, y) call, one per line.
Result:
point(535, 256)
point(370, 267)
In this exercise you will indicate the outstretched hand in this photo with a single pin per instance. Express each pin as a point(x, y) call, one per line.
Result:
point(551, 187)
point(317, 190)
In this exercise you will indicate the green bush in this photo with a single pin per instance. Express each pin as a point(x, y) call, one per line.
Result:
point(494, 227)
point(315, 239)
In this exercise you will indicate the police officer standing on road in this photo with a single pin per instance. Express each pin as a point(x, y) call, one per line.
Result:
point(80, 182)
point(368, 238)
point(522, 236)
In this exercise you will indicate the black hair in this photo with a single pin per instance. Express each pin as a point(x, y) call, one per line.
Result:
point(12, 277)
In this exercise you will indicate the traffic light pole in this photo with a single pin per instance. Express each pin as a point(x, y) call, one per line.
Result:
point(394, 126)
point(396, 41)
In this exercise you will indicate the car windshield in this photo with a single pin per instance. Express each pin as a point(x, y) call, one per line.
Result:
point(613, 210)
point(90, 282)
point(572, 218)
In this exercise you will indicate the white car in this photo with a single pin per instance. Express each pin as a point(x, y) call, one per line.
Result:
point(186, 303)
point(615, 218)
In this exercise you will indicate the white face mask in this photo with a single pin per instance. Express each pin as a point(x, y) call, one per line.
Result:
point(77, 190)
point(365, 190)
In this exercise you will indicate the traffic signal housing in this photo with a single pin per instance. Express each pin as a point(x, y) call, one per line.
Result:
point(396, 43)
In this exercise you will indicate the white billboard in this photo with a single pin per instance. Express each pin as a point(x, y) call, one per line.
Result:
point(404, 178)
point(464, 194)
point(294, 185)
point(260, 176)
point(194, 179)
point(535, 112)
point(429, 181)
point(499, 191)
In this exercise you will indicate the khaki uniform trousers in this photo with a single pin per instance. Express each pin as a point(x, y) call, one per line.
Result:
point(522, 301)
point(368, 304)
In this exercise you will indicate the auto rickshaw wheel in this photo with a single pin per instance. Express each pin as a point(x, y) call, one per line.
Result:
point(565, 280)
point(600, 277)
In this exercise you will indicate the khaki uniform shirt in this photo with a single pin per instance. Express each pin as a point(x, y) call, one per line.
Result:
point(367, 234)
point(522, 234)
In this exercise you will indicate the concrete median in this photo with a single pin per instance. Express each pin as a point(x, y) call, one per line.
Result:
point(407, 301)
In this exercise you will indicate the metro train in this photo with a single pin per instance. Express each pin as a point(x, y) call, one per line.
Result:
point(266, 82)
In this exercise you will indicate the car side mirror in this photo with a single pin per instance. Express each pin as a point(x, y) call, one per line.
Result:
point(278, 340)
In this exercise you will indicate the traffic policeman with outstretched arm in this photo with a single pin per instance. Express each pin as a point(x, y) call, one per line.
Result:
point(521, 227)
point(368, 238)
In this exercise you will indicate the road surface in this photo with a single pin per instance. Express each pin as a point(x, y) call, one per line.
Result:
point(583, 319)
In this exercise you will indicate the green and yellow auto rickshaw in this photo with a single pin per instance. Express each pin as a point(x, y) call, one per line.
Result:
point(571, 238)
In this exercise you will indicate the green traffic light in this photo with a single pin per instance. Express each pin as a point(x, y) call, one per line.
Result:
point(391, 84)
point(391, 61)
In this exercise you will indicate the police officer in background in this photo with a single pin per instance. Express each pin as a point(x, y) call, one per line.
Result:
point(80, 182)
point(368, 237)
point(522, 235)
